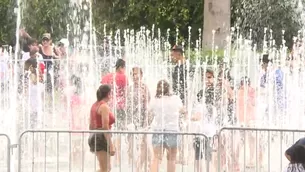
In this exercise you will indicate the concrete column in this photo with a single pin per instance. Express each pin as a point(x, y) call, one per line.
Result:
point(217, 14)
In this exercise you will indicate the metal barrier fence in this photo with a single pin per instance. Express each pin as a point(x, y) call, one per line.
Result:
point(254, 149)
point(5, 158)
point(50, 150)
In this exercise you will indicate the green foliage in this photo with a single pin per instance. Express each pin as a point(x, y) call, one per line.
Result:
point(7, 29)
point(207, 56)
point(174, 14)
point(276, 15)
point(41, 16)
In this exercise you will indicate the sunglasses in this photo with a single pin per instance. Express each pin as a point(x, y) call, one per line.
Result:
point(45, 39)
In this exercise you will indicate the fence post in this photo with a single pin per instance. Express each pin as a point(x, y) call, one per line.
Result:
point(208, 153)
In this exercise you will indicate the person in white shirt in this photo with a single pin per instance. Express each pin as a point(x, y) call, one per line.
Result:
point(35, 88)
point(201, 119)
point(166, 109)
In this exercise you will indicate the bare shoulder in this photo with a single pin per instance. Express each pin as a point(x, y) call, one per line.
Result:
point(103, 108)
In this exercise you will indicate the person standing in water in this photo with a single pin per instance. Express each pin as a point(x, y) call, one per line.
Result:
point(118, 82)
point(203, 113)
point(180, 86)
point(35, 90)
point(49, 53)
point(166, 109)
point(246, 112)
point(101, 118)
point(138, 97)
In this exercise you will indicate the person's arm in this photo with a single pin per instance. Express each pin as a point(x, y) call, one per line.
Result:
point(198, 112)
point(147, 117)
point(229, 90)
point(196, 117)
point(24, 34)
point(33, 78)
point(252, 96)
point(104, 112)
point(147, 95)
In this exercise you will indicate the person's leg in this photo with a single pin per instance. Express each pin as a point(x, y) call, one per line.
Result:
point(236, 150)
point(158, 153)
point(157, 142)
point(172, 143)
point(251, 142)
point(130, 140)
point(104, 161)
point(98, 144)
point(198, 147)
point(144, 157)
point(121, 126)
point(181, 158)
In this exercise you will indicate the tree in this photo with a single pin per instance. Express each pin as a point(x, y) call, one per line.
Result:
point(276, 15)
point(52, 16)
point(176, 14)
point(217, 18)
point(39, 16)
point(7, 29)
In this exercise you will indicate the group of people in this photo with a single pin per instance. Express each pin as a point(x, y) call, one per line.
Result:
point(120, 103)
point(219, 103)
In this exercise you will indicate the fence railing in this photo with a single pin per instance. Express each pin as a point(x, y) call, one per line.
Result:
point(50, 150)
point(5, 154)
point(248, 149)
point(255, 149)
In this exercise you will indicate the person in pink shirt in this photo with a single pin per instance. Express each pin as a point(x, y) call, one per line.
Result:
point(246, 103)
point(77, 117)
point(119, 83)
point(246, 113)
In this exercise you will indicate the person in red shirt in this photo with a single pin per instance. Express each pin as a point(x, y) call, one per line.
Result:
point(101, 118)
point(119, 83)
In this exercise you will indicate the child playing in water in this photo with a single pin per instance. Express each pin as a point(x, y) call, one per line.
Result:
point(35, 88)
point(76, 115)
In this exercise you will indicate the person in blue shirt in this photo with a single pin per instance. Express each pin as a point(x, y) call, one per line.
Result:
point(275, 77)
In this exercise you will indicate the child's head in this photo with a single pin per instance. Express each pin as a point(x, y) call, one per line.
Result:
point(76, 82)
point(244, 81)
point(298, 154)
point(31, 65)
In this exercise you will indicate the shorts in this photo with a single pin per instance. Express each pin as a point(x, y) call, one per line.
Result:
point(120, 115)
point(166, 140)
point(199, 148)
point(97, 142)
